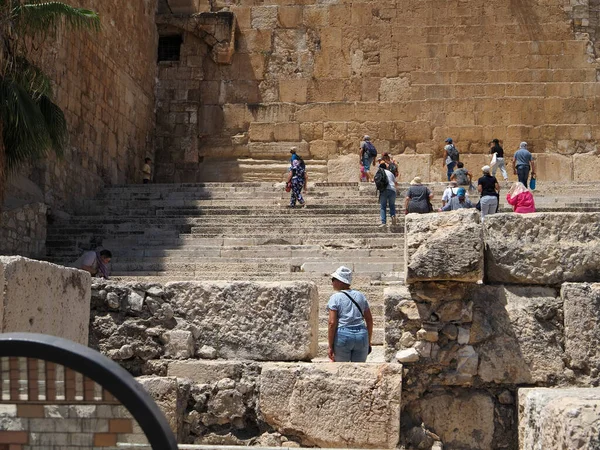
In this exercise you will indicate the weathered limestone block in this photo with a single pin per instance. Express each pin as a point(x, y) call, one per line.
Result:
point(410, 166)
point(260, 321)
point(444, 246)
point(542, 248)
point(206, 372)
point(527, 333)
point(559, 418)
point(464, 420)
point(586, 167)
point(553, 167)
point(171, 396)
point(343, 169)
point(333, 405)
point(39, 297)
point(581, 305)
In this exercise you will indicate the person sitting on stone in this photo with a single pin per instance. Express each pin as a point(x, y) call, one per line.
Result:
point(418, 198)
point(520, 198)
point(459, 201)
point(451, 191)
point(95, 262)
point(461, 175)
point(350, 325)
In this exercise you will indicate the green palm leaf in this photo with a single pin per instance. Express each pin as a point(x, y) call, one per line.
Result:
point(41, 17)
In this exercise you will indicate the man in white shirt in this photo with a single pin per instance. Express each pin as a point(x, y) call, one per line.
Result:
point(451, 191)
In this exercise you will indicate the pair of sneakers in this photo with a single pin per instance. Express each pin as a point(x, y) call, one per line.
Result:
point(394, 222)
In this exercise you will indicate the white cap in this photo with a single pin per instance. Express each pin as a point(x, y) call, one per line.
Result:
point(485, 169)
point(367, 137)
point(343, 274)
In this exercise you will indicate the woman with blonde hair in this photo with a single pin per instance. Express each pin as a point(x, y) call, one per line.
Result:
point(521, 199)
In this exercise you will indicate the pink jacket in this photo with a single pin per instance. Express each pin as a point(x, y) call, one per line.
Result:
point(522, 203)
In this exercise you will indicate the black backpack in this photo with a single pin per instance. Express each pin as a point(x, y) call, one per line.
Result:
point(393, 168)
point(370, 149)
point(453, 153)
point(381, 180)
point(302, 163)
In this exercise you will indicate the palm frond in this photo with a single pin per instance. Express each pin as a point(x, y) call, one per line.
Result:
point(30, 76)
point(56, 125)
point(25, 134)
point(42, 17)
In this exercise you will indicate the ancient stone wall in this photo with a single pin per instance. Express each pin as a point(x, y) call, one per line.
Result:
point(104, 82)
point(23, 231)
point(320, 75)
point(467, 347)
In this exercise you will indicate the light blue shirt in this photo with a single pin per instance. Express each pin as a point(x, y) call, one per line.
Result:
point(523, 157)
point(347, 312)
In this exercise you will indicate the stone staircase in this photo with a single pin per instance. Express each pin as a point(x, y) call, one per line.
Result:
point(244, 231)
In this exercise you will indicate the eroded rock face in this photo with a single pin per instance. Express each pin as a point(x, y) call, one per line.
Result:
point(39, 297)
point(333, 405)
point(255, 321)
point(526, 344)
point(542, 248)
point(582, 325)
point(444, 247)
point(559, 418)
point(464, 421)
point(466, 332)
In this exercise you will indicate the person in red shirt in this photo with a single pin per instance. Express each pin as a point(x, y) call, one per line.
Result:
point(521, 199)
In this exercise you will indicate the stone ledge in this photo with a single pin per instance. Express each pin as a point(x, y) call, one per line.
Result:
point(542, 248)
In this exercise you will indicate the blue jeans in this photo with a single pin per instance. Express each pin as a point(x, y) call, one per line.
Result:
point(450, 168)
point(367, 162)
point(385, 197)
point(523, 174)
point(351, 344)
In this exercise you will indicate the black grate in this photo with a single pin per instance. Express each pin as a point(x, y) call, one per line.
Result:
point(169, 48)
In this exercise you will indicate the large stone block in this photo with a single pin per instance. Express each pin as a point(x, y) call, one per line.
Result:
point(343, 169)
point(559, 418)
point(542, 248)
point(206, 372)
point(239, 320)
point(410, 166)
point(525, 334)
point(39, 297)
point(581, 305)
point(444, 246)
point(586, 167)
point(171, 397)
point(334, 405)
point(462, 421)
point(552, 167)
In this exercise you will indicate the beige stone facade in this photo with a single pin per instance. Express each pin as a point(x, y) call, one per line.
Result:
point(320, 75)
point(104, 82)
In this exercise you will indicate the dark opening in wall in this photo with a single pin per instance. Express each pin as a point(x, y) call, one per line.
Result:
point(169, 48)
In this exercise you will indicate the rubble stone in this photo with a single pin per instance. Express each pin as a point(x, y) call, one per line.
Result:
point(444, 246)
point(355, 405)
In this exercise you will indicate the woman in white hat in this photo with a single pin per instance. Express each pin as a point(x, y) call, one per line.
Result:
point(489, 189)
point(350, 326)
point(418, 198)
